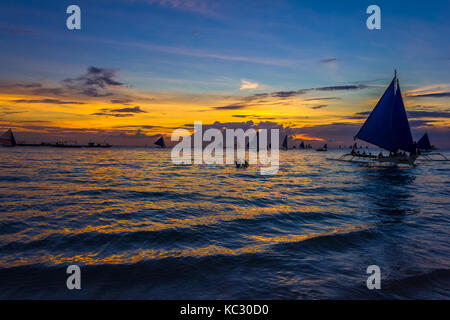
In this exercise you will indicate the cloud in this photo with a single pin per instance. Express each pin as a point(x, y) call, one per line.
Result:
point(431, 95)
point(246, 84)
point(253, 116)
point(412, 114)
point(95, 82)
point(421, 123)
point(305, 137)
point(255, 96)
point(5, 111)
point(121, 101)
point(136, 109)
point(320, 106)
point(50, 91)
point(94, 76)
point(428, 114)
point(290, 94)
point(287, 94)
point(358, 116)
point(122, 112)
point(252, 99)
point(327, 60)
point(53, 101)
point(230, 107)
point(293, 93)
point(422, 107)
point(19, 85)
point(339, 88)
point(118, 115)
point(202, 53)
point(338, 133)
point(441, 90)
point(321, 99)
point(95, 93)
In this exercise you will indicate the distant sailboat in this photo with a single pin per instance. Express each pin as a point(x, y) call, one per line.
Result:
point(257, 140)
point(388, 128)
point(324, 148)
point(160, 142)
point(7, 139)
point(424, 143)
point(426, 151)
point(250, 144)
point(285, 143)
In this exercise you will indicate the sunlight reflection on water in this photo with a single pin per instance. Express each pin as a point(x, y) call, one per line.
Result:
point(125, 206)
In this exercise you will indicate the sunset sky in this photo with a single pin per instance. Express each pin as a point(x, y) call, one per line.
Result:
point(140, 68)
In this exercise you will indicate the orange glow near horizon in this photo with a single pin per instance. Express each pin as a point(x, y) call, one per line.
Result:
point(152, 113)
point(306, 137)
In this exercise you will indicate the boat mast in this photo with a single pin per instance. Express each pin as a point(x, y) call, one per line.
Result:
point(395, 81)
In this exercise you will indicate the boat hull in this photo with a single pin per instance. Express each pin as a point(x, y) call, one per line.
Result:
point(410, 160)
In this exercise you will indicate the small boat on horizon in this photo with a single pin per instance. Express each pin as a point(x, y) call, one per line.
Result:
point(7, 139)
point(324, 148)
point(284, 145)
point(424, 144)
point(160, 142)
point(427, 151)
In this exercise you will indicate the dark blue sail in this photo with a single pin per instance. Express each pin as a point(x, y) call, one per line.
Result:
point(387, 125)
point(285, 142)
point(160, 142)
point(7, 139)
point(377, 129)
point(257, 140)
point(424, 143)
point(401, 133)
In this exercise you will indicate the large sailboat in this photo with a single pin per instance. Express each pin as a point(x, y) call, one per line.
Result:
point(388, 128)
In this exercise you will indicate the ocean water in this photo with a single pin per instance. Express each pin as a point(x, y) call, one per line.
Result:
point(142, 228)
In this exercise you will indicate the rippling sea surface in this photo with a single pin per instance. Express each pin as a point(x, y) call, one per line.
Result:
point(142, 227)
